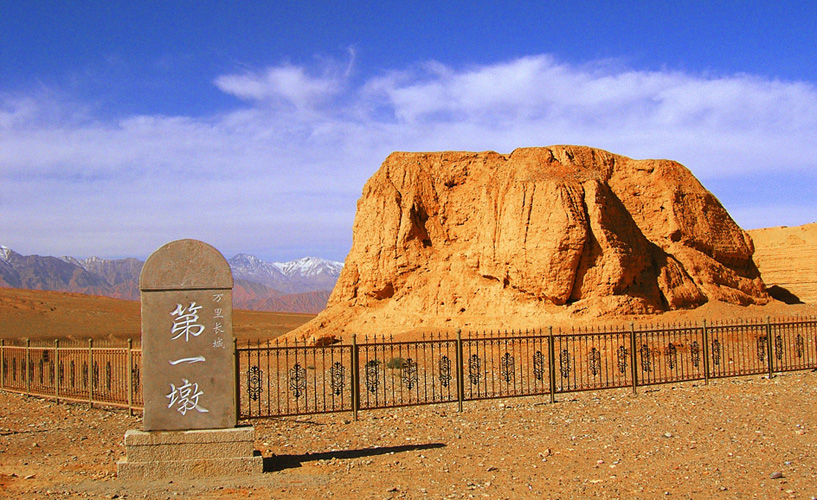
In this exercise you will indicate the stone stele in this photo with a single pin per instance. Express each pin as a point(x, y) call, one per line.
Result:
point(188, 367)
point(187, 340)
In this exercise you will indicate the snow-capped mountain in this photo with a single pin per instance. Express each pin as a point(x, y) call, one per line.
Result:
point(7, 273)
point(310, 266)
point(296, 276)
point(245, 266)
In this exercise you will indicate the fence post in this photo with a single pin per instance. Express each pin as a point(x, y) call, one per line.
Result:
point(237, 369)
point(57, 370)
point(706, 353)
point(2, 362)
point(355, 378)
point(460, 372)
point(28, 366)
point(91, 373)
point(129, 367)
point(769, 344)
point(551, 365)
point(633, 369)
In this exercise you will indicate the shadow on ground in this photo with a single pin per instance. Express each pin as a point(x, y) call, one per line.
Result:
point(281, 462)
point(783, 295)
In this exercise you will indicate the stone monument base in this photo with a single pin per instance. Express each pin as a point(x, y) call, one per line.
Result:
point(189, 454)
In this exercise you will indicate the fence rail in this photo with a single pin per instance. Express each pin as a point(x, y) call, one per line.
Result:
point(283, 378)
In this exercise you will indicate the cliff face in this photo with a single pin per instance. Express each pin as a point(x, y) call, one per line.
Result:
point(453, 238)
point(787, 258)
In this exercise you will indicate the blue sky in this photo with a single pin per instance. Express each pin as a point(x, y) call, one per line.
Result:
point(254, 125)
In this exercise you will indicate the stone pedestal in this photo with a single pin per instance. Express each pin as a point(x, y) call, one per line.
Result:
point(189, 454)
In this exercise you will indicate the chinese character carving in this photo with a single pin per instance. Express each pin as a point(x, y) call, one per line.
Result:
point(185, 321)
point(194, 359)
point(185, 397)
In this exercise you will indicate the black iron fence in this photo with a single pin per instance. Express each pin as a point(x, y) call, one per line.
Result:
point(291, 378)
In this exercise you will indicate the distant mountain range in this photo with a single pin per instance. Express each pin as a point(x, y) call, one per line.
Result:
point(301, 285)
point(297, 276)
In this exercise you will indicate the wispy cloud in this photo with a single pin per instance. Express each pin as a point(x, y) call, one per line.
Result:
point(279, 174)
point(643, 113)
point(289, 84)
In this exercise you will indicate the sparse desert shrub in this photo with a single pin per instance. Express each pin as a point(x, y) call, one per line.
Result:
point(395, 363)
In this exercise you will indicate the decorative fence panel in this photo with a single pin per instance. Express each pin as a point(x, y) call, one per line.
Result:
point(795, 345)
point(394, 374)
point(670, 355)
point(505, 366)
point(587, 361)
point(292, 379)
point(14, 368)
point(738, 349)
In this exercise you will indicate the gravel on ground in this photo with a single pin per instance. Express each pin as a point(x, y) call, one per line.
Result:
point(749, 437)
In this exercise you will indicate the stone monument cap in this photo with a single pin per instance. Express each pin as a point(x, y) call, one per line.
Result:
point(186, 265)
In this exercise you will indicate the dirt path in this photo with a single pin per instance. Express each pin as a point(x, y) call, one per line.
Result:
point(731, 439)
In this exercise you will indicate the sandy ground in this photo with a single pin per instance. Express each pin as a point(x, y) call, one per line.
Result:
point(45, 315)
point(735, 438)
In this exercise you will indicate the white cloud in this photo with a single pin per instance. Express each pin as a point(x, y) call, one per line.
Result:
point(286, 83)
point(642, 113)
point(281, 171)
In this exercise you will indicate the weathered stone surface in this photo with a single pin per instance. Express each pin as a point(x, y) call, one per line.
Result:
point(185, 445)
point(787, 258)
point(458, 239)
point(185, 264)
point(190, 469)
point(189, 454)
point(188, 361)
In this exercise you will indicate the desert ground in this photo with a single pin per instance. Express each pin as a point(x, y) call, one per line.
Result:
point(735, 438)
point(47, 315)
point(750, 437)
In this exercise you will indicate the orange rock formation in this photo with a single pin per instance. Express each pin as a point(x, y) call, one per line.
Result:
point(787, 258)
point(465, 239)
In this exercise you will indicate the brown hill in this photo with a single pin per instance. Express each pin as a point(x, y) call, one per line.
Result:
point(34, 272)
point(114, 271)
point(472, 239)
point(258, 297)
point(48, 315)
point(787, 259)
